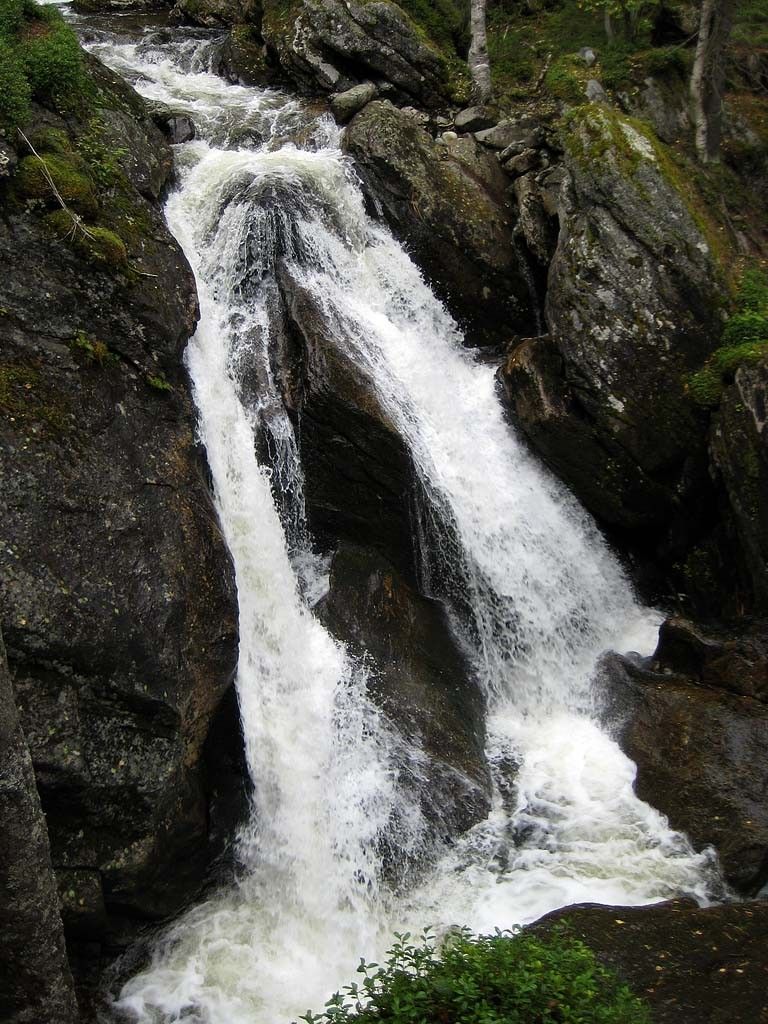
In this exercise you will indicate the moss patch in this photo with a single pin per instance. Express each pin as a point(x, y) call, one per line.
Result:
point(26, 399)
point(745, 340)
point(73, 184)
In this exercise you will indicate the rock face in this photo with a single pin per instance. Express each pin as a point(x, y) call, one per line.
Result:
point(631, 307)
point(211, 13)
point(37, 984)
point(360, 494)
point(449, 204)
point(116, 592)
point(692, 965)
point(701, 752)
point(331, 45)
point(740, 454)
point(358, 473)
point(421, 680)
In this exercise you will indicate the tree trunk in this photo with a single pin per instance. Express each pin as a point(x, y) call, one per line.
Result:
point(608, 25)
point(708, 76)
point(479, 64)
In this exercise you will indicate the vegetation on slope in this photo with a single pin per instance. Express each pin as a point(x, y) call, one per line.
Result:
point(40, 59)
point(504, 978)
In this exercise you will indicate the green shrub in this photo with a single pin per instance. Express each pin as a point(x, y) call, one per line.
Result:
point(40, 59)
point(53, 62)
point(745, 339)
point(504, 978)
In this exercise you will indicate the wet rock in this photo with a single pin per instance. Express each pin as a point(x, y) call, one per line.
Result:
point(116, 590)
point(37, 984)
point(702, 759)
point(211, 13)
point(175, 125)
point(358, 472)
point(621, 343)
point(330, 46)
point(450, 205)
point(345, 105)
point(475, 119)
point(420, 679)
point(717, 657)
point(693, 965)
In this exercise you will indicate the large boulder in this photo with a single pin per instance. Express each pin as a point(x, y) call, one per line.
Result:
point(332, 45)
point(37, 983)
point(631, 307)
point(451, 207)
point(358, 473)
point(116, 590)
point(692, 965)
point(212, 13)
point(420, 678)
point(701, 755)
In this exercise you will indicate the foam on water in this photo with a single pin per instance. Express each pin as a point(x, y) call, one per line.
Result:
point(536, 596)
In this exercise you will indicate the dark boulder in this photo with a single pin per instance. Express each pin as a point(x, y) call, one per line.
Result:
point(449, 203)
point(357, 469)
point(692, 965)
point(632, 306)
point(37, 983)
point(739, 447)
point(702, 759)
point(329, 45)
point(421, 680)
point(116, 590)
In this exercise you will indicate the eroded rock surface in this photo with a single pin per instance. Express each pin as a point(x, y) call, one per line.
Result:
point(116, 591)
point(449, 204)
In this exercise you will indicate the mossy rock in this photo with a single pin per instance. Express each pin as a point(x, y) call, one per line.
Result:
point(96, 244)
point(73, 184)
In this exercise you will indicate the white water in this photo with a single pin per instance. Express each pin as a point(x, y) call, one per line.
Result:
point(537, 596)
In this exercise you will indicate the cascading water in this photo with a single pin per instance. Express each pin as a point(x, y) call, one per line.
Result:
point(536, 596)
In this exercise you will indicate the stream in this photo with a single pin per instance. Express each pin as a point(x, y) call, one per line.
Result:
point(535, 594)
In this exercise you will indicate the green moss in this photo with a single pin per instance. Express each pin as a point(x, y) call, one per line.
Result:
point(101, 157)
point(15, 92)
point(94, 349)
point(158, 382)
point(444, 22)
point(97, 244)
point(566, 79)
point(746, 341)
point(73, 184)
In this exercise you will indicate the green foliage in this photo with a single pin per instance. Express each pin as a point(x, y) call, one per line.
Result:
point(158, 382)
point(15, 93)
point(39, 59)
point(566, 81)
point(504, 978)
point(95, 350)
point(745, 340)
point(444, 21)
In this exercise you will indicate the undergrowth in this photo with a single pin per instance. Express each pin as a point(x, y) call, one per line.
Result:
point(40, 59)
point(506, 978)
point(744, 341)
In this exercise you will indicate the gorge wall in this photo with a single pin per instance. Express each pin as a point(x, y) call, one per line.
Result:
point(574, 244)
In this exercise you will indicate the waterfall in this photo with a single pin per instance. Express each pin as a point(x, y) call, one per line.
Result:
point(535, 594)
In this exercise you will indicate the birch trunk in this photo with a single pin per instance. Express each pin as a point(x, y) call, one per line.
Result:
point(708, 76)
point(479, 64)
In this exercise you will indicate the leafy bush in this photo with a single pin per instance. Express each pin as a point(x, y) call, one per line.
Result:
point(39, 59)
point(504, 978)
